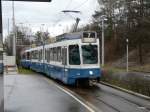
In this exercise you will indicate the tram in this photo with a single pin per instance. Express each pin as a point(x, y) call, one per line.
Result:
point(73, 58)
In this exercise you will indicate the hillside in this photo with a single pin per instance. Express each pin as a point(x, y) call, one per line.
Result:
point(134, 63)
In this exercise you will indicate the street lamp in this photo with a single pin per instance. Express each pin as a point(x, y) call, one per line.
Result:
point(127, 66)
point(43, 40)
point(103, 17)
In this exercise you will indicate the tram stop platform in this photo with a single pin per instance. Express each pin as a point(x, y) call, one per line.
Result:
point(36, 93)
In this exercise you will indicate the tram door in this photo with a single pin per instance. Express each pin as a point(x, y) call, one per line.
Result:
point(64, 62)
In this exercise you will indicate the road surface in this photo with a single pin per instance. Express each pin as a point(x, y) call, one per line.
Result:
point(33, 93)
point(108, 99)
point(36, 93)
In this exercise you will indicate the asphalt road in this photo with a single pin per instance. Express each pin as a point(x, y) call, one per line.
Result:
point(1, 94)
point(34, 93)
point(107, 99)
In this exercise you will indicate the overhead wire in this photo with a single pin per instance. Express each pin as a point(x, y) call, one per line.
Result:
point(69, 3)
point(80, 4)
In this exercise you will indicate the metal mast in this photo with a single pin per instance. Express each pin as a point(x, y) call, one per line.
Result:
point(14, 30)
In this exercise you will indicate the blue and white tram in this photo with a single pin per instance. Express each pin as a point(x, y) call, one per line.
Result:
point(72, 58)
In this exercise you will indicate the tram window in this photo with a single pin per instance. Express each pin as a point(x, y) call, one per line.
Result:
point(59, 54)
point(32, 53)
point(55, 54)
point(74, 56)
point(89, 54)
point(28, 55)
point(23, 56)
point(40, 55)
point(1, 55)
point(64, 56)
point(35, 54)
point(51, 54)
point(48, 55)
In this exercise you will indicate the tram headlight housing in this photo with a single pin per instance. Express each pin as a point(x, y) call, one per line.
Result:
point(91, 72)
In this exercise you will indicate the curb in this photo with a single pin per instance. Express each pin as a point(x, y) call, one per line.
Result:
point(140, 71)
point(125, 90)
point(74, 94)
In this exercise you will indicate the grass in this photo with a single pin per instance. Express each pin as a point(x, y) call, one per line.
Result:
point(25, 71)
point(144, 68)
point(111, 69)
point(129, 81)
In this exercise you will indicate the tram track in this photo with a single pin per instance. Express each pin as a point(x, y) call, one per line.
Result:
point(109, 105)
point(129, 101)
point(99, 97)
point(126, 99)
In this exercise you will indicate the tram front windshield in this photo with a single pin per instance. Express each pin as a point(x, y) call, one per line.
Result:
point(89, 54)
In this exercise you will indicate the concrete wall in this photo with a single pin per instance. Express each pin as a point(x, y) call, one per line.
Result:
point(9, 60)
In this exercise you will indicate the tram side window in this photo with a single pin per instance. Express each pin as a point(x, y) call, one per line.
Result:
point(59, 54)
point(51, 54)
point(55, 54)
point(74, 56)
point(48, 55)
point(32, 54)
point(36, 55)
point(1, 55)
point(28, 55)
point(40, 55)
point(23, 56)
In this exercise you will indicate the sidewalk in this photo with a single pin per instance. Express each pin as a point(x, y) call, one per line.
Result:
point(33, 93)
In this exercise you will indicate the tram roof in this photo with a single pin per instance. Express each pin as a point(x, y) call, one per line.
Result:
point(71, 36)
point(63, 37)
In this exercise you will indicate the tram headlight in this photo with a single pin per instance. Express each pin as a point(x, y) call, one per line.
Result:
point(78, 74)
point(91, 72)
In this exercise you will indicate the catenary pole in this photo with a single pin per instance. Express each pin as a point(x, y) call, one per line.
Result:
point(14, 30)
point(127, 63)
point(103, 42)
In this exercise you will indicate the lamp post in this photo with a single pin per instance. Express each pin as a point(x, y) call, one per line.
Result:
point(127, 66)
point(14, 30)
point(103, 41)
point(43, 40)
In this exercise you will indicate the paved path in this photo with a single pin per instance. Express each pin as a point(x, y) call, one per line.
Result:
point(33, 93)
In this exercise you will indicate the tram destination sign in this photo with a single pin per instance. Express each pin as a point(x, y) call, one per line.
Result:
point(30, 0)
point(89, 37)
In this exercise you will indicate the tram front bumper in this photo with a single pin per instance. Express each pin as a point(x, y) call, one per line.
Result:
point(84, 73)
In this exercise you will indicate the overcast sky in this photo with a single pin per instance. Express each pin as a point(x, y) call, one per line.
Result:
point(34, 14)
